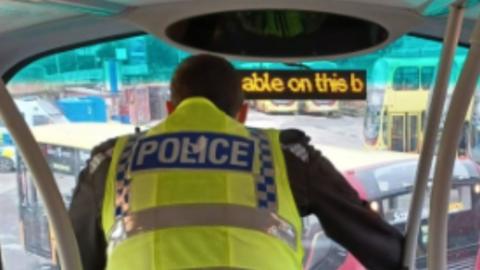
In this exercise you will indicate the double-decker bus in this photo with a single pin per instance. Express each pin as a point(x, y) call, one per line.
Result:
point(102, 45)
point(398, 100)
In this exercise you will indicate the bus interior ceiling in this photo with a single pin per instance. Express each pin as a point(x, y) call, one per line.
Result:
point(339, 30)
point(63, 24)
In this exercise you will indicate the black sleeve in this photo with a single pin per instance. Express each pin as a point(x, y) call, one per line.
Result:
point(86, 207)
point(320, 189)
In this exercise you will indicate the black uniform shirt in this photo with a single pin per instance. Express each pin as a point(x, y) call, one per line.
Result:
point(318, 188)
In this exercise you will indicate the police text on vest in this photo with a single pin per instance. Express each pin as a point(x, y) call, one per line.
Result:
point(194, 150)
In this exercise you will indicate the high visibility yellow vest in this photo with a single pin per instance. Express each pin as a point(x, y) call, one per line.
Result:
point(200, 191)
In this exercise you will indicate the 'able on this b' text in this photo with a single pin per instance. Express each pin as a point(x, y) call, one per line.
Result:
point(318, 82)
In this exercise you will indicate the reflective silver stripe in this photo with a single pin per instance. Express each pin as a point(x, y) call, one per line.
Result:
point(239, 216)
point(268, 172)
point(298, 150)
point(95, 162)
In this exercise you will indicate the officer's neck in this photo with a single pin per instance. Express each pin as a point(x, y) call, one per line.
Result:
point(241, 116)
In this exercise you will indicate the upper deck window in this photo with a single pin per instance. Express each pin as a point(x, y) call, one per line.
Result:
point(427, 75)
point(406, 78)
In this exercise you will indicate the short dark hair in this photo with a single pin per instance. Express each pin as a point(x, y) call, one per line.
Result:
point(211, 77)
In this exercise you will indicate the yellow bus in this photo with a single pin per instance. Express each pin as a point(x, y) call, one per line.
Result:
point(320, 107)
point(398, 99)
point(66, 147)
point(277, 106)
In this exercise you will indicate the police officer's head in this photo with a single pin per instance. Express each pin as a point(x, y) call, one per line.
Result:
point(211, 77)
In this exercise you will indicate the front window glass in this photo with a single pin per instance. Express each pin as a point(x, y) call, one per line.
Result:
point(396, 209)
point(427, 77)
point(77, 99)
point(406, 78)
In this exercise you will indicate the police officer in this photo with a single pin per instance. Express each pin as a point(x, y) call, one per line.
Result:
point(202, 191)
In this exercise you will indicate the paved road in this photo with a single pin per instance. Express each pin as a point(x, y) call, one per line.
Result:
point(14, 255)
point(345, 131)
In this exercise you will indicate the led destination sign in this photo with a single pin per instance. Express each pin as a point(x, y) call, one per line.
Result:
point(304, 84)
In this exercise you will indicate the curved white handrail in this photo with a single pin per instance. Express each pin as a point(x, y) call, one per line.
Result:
point(437, 233)
point(43, 178)
point(452, 34)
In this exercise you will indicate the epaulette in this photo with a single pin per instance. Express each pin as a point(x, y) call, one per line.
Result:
point(295, 141)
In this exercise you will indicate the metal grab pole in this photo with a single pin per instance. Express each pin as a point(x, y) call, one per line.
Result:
point(44, 181)
point(437, 233)
point(452, 34)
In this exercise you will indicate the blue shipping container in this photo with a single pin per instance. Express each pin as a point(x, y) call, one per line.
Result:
point(84, 109)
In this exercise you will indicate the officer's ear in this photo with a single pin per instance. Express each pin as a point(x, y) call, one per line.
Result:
point(242, 114)
point(170, 107)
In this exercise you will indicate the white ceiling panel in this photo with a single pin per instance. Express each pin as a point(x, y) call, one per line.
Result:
point(156, 18)
point(414, 4)
point(142, 2)
point(15, 15)
point(392, 3)
point(58, 23)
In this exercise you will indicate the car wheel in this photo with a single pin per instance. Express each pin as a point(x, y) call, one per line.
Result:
point(6, 164)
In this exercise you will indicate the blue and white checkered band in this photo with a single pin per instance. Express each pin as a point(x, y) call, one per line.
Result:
point(122, 184)
point(265, 180)
point(194, 151)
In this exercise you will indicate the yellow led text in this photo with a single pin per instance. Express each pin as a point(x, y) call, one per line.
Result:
point(318, 82)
